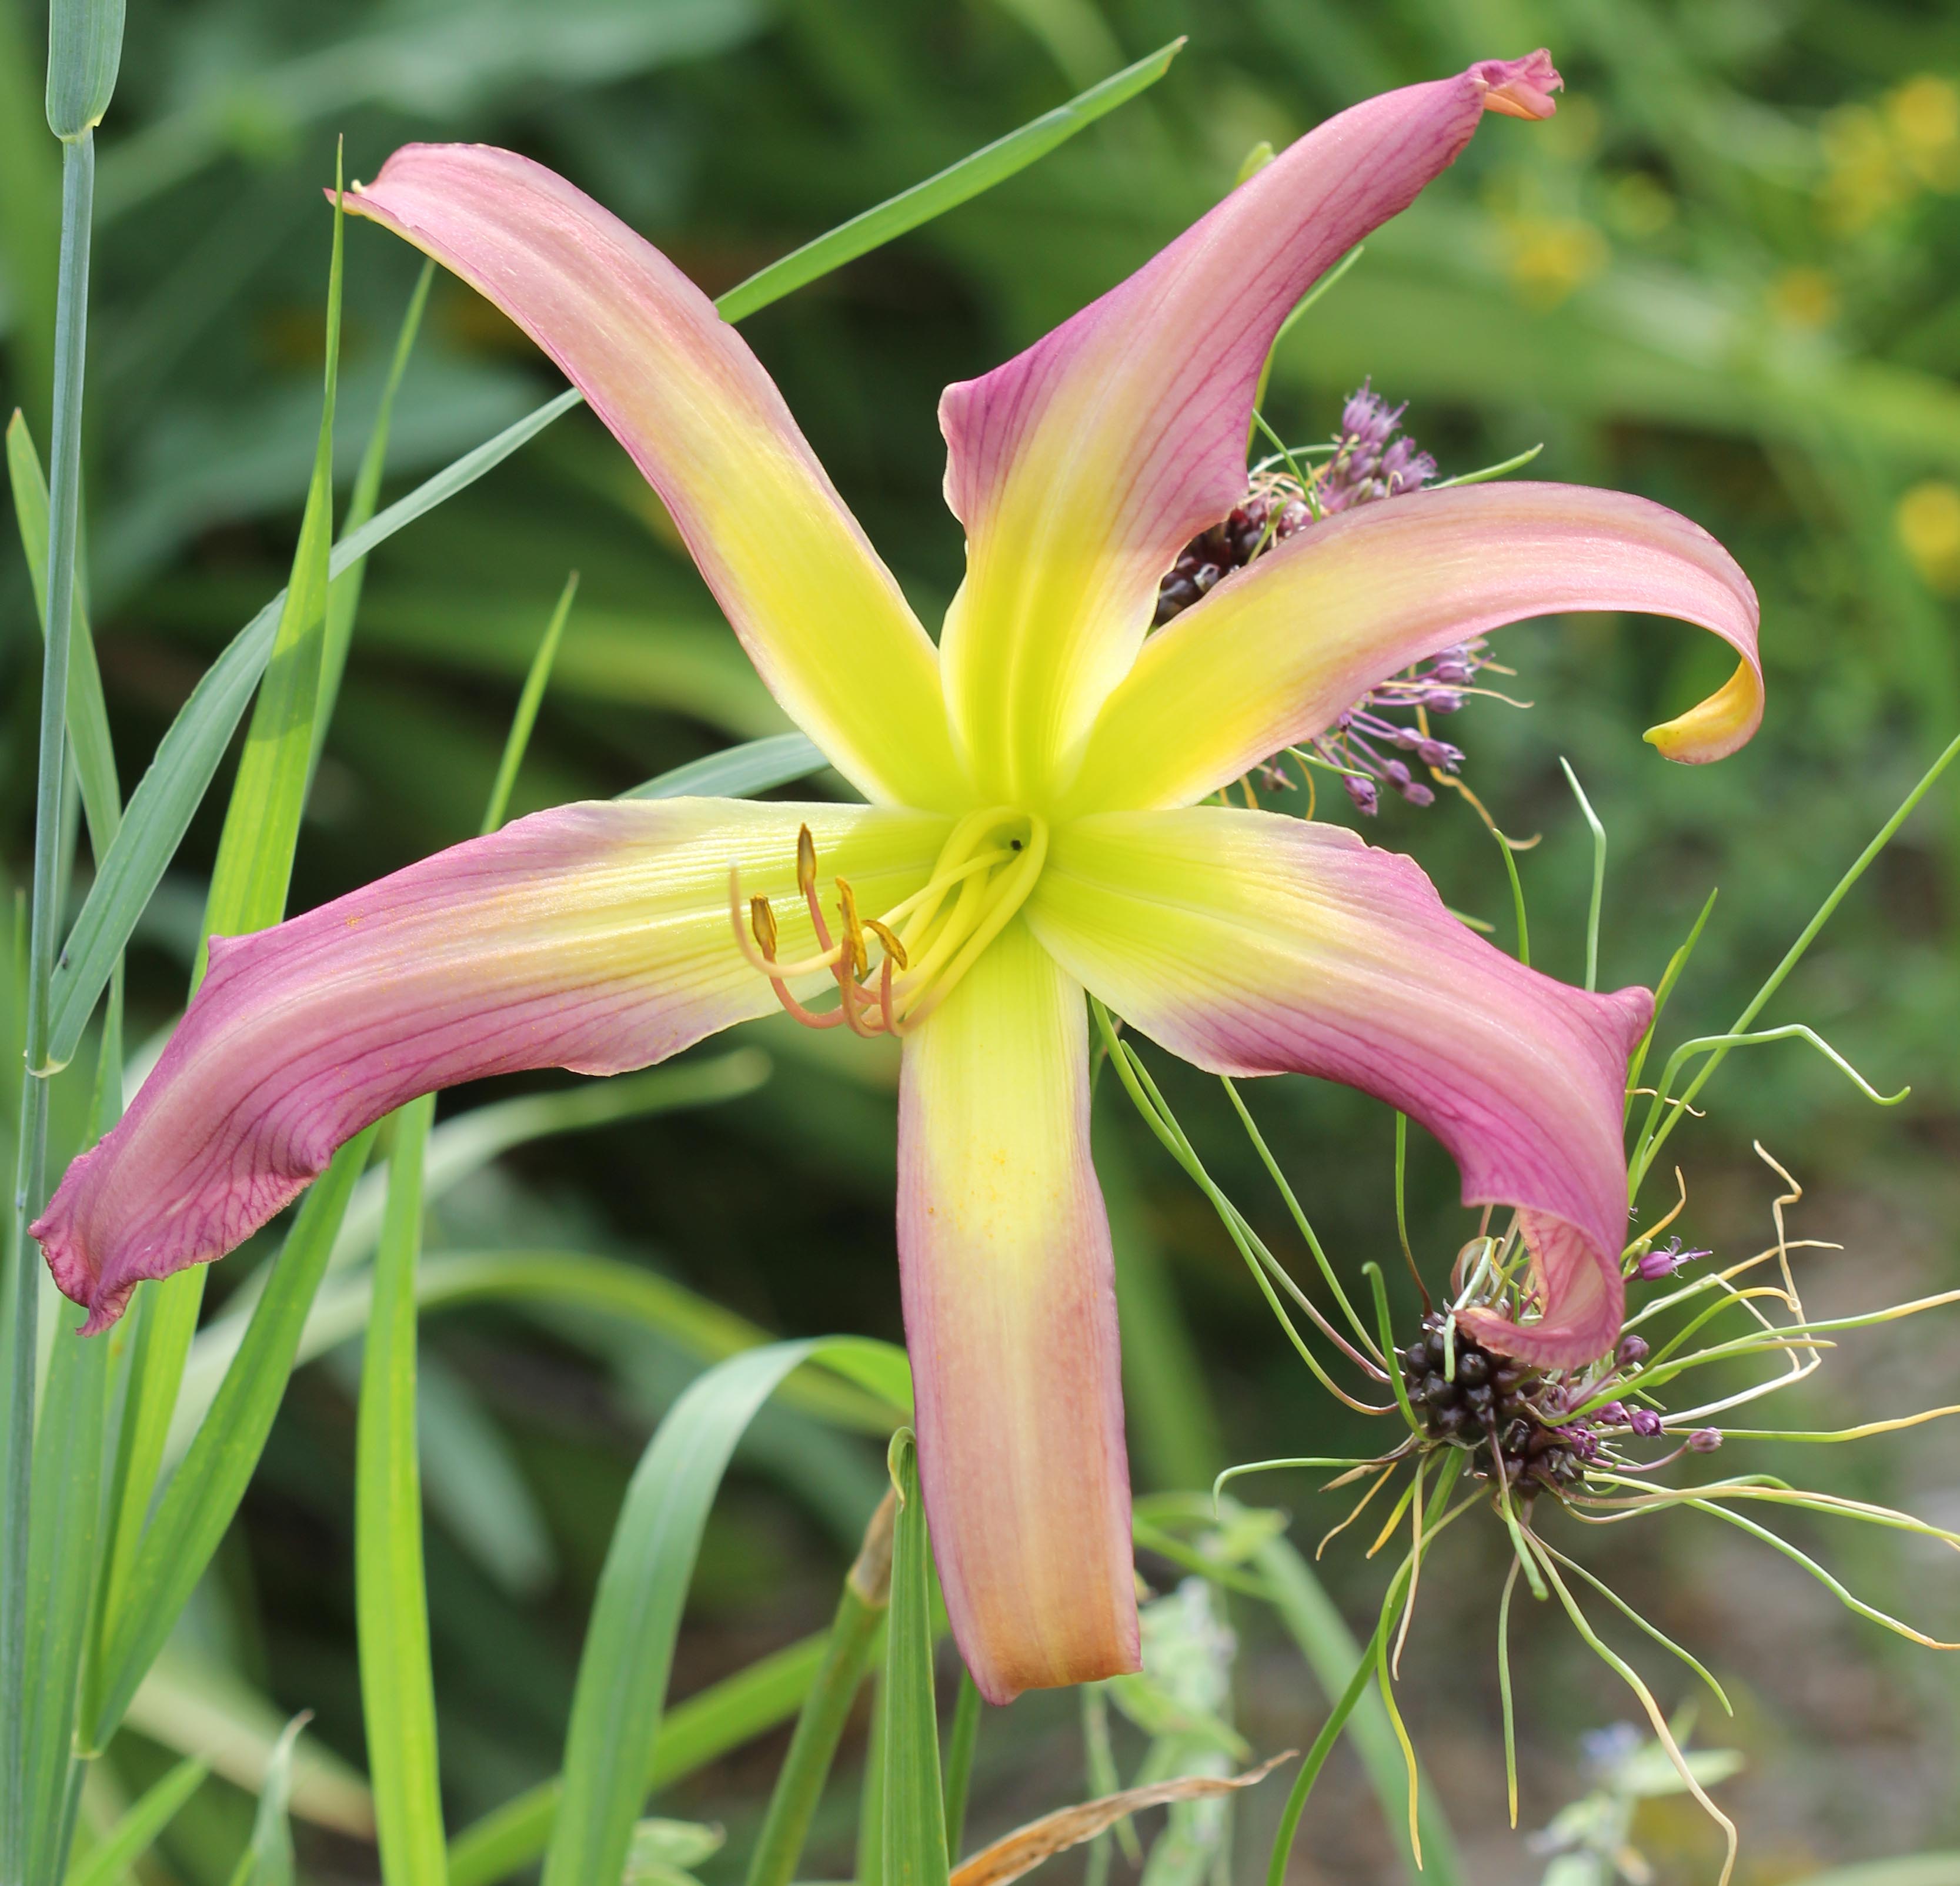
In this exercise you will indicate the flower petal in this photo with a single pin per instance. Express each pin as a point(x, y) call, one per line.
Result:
point(595, 937)
point(1082, 466)
point(1254, 944)
point(1010, 1318)
point(818, 614)
point(1274, 653)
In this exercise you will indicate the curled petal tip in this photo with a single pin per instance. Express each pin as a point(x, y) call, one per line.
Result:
point(1713, 728)
point(1520, 87)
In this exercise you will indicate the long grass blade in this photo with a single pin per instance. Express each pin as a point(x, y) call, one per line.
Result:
point(268, 1857)
point(205, 1493)
point(49, 869)
point(740, 772)
point(391, 1597)
point(704, 1728)
point(89, 743)
point(915, 1818)
point(993, 163)
point(168, 795)
point(847, 1657)
point(622, 1674)
point(135, 1833)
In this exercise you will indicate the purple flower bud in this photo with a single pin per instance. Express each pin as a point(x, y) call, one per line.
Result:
point(1632, 1352)
point(1397, 774)
point(1644, 1422)
point(1440, 753)
point(1362, 791)
point(1417, 793)
point(1442, 700)
point(1455, 671)
point(1705, 1440)
point(1614, 1414)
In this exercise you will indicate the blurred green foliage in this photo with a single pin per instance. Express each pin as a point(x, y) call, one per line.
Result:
point(1724, 276)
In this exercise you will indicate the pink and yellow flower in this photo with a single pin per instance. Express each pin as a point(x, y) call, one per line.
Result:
point(1034, 828)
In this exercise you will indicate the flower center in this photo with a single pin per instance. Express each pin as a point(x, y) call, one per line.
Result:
point(926, 943)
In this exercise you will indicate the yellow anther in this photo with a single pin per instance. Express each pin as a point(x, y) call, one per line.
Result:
point(893, 948)
point(853, 930)
point(806, 861)
point(763, 923)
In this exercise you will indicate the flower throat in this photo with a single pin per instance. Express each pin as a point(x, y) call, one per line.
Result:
point(926, 943)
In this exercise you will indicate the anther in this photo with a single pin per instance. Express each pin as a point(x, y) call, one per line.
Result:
point(854, 931)
point(806, 861)
point(895, 951)
point(762, 924)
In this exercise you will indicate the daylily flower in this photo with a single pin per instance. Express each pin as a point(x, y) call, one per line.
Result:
point(1034, 829)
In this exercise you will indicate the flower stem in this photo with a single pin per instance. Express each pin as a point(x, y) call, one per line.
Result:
point(65, 496)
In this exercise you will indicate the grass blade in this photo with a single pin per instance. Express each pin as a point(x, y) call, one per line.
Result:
point(1598, 874)
point(205, 1492)
point(628, 1655)
point(268, 1860)
point(170, 791)
point(915, 1814)
point(526, 715)
point(391, 1597)
point(692, 1734)
point(343, 590)
point(993, 163)
point(133, 1835)
point(960, 1750)
point(846, 1656)
point(255, 851)
point(738, 773)
point(49, 867)
point(89, 743)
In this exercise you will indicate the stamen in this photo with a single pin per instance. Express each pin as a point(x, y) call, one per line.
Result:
point(983, 876)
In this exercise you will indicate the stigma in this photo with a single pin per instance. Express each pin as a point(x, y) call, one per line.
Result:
point(893, 968)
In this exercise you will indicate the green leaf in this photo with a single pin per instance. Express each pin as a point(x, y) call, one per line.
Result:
point(193, 1516)
point(343, 590)
point(846, 1656)
point(133, 1835)
point(200, 1708)
point(254, 867)
point(267, 1861)
point(84, 51)
point(628, 1655)
point(915, 1812)
point(528, 701)
point(89, 743)
point(993, 163)
point(692, 1734)
point(738, 772)
point(391, 1597)
point(168, 795)
point(61, 1547)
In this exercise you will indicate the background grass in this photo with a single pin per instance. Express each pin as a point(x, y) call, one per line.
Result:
point(1722, 277)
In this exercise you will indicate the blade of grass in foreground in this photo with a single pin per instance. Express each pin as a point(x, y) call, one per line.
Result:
point(846, 1656)
point(248, 891)
point(170, 792)
point(701, 1730)
point(991, 164)
point(205, 1493)
point(738, 772)
point(268, 1857)
point(391, 1599)
point(622, 1674)
point(77, 32)
point(109, 1861)
point(89, 742)
point(914, 1808)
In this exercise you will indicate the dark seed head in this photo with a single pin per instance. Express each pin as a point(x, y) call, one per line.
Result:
point(1416, 1358)
point(1473, 1366)
point(1436, 1390)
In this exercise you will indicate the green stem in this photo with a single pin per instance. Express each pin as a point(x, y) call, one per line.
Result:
point(64, 524)
point(846, 1656)
point(1316, 1756)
